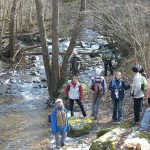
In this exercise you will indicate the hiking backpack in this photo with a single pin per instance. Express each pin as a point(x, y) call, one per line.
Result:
point(144, 85)
point(97, 85)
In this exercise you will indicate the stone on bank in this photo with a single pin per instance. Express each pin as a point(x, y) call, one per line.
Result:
point(79, 127)
point(108, 140)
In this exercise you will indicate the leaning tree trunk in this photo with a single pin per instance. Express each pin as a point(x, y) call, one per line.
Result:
point(12, 29)
point(55, 49)
point(42, 31)
point(75, 34)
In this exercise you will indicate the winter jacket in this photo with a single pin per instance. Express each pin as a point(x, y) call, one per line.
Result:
point(136, 87)
point(54, 127)
point(148, 90)
point(119, 85)
point(104, 85)
point(74, 91)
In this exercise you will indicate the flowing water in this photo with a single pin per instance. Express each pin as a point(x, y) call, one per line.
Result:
point(23, 109)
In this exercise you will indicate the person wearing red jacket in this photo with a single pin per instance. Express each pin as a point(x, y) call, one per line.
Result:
point(74, 92)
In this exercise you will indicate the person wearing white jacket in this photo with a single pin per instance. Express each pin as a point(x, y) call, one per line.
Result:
point(137, 94)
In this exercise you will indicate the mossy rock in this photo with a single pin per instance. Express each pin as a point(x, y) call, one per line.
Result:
point(108, 139)
point(79, 127)
point(145, 135)
point(102, 132)
point(102, 146)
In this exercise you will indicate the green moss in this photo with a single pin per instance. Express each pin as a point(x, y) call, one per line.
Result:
point(145, 135)
point(102, 146)
point(79, 127)
point(126, 125)
point(102, 132)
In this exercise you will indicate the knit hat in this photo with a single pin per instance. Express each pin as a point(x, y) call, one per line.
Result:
point(98, 71)
point(58, 101)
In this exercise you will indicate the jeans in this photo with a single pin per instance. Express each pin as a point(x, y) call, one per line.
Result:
point(137, 108)
point(95, 104)
point(117, 109)
point(61, 140)
point(106, 64)
point(71, 101)
point(146, 120)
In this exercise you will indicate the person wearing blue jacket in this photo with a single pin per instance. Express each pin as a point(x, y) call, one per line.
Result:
point(59, 123)
point(117, 87)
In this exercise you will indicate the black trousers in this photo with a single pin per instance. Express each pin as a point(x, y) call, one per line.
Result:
point(149, 101)
point(71, 101)
point(137, 108)
point(106, 64)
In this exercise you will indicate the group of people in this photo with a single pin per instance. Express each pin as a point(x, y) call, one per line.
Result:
point(98, 88)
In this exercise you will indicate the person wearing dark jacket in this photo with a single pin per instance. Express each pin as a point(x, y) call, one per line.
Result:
point(117, 87)
point(107, 58)
point(75, 63)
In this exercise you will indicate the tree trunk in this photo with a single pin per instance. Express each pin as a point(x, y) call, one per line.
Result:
point(42, 31)
point(12, 29)
point(2, 26)
point(73, 40)
point(30, 12)
point(55, 48)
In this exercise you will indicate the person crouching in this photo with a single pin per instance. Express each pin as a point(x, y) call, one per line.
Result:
point(59, 123)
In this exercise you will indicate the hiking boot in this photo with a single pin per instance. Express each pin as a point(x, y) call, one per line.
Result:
point(57, 147)
point(62, 145)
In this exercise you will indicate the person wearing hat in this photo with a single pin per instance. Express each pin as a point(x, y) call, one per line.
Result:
point(75, 63)
point(137, 94)
point(98, 87)
point(117, 88)
point(59, 123)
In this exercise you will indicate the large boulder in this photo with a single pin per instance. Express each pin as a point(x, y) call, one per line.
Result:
point(108, 140)
point(135, 144)
point(79, 127)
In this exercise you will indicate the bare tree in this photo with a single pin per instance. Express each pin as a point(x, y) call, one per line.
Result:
point(40, 19)
point(55, 48)
point(12, 29)
point(75, 33)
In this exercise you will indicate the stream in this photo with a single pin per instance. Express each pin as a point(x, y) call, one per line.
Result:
point(23, 109)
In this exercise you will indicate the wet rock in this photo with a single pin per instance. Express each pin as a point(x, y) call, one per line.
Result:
point(135, 144)
point(108, 140)
point(102, 132)
point(43, 85)
point(34, 73)
point(79, 127)
point(43, 80)
point(32, 58)
point(36, 81)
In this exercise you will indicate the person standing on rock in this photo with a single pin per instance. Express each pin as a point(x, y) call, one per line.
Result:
point(117, 87)
point(137, 94)
point(98, 88)
point(74, 92)
point(107, 59)
point(59, 123)
point(75, 63)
